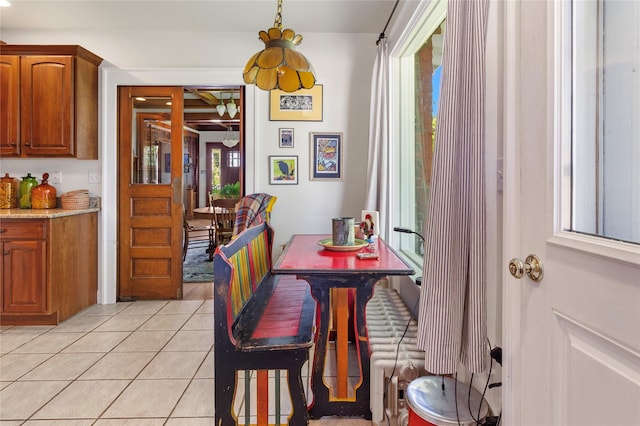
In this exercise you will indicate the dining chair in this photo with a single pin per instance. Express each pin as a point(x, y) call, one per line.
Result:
point(225, 218)
point(189, 229)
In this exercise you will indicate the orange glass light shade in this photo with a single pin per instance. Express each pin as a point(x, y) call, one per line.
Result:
point(279, 65)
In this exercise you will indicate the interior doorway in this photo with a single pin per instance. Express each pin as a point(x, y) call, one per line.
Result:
point(172, 163)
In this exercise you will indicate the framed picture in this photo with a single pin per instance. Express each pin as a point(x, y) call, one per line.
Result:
point(301, 105)
point(286, 138)
point(326, 156)
point(283, 169)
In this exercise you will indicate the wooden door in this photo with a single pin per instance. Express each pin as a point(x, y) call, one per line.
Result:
point(9, 105)
point(572, 339)
point(150, 194)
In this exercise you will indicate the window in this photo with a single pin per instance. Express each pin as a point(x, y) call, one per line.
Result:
point(604, 111)
point(233, 159)
point(419, 71)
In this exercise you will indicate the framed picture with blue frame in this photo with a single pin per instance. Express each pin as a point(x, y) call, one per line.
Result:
point(326, 156)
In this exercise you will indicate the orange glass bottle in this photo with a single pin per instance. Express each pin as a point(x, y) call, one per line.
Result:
point(43, 196)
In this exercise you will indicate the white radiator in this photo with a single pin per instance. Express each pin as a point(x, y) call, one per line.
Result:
point(387, 319)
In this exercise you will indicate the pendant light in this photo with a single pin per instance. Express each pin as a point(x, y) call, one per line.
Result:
point(232, 108)
point(230, 139)
point(220, 107)
point(279, 65)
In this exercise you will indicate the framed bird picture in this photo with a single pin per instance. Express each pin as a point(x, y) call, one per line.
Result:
point(326, 156)
point(283, 169)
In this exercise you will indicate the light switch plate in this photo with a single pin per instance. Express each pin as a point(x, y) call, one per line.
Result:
point(55, 177)
point(95, 177)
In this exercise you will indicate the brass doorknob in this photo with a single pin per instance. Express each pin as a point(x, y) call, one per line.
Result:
point(532, 266)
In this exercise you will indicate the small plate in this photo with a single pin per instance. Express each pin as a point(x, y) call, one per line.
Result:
point(328, 244)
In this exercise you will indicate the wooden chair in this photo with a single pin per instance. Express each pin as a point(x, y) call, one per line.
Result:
point(188, 229)
point(225, 218)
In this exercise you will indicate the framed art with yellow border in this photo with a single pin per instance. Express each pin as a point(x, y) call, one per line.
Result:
point(301, 105)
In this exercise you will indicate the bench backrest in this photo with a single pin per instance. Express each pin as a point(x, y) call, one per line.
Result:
point(239, 268)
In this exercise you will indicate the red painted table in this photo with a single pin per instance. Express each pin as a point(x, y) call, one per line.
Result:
point(325, 270)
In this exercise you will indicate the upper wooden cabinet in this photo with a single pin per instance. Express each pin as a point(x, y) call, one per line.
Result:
point(49, 102)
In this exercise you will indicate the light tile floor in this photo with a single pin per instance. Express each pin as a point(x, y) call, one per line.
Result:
point(136, 363)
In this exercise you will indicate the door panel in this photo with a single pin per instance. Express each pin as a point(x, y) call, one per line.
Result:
point(572, 346)
point(150, 199)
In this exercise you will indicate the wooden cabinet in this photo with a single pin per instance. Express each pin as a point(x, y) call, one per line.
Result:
point(49, 268)
point(49, 103)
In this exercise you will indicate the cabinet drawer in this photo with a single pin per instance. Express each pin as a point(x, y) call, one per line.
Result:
point(26, 229)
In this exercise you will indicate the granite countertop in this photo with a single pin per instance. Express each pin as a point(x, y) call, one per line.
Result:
point(42, 213)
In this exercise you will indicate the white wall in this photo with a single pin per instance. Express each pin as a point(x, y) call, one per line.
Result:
point(343, 64)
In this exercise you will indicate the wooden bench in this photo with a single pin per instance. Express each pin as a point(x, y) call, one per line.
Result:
point(262, 322)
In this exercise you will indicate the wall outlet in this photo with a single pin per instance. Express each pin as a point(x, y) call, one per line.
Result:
point(55, 177)
point(95, 177)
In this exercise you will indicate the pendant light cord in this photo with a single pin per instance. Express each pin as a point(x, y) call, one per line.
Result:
point(387, 24)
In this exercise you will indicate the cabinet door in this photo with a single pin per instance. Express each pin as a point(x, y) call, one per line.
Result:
point(24, 276)
point(47, 110)
point(9, 105)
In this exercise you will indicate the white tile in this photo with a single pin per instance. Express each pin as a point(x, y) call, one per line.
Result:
point(142, 307)
point(131, 422)
point(165, 322)
point(191, 421)
point(98, 341)
point(29, 329)
point(173, 365)
point(65, 422)
point(83, 399)
point(63, 367)
point(197, 401)
point(123, 323)
point(21, 399)
point(109, 309)
point(49, 343)
point(9, 341)
point(144, 341)
point(190, 341)
point(80, 323)
point(206, 308)
point(181, 307)
point(206, 370)
point(199, 322)
point(14, 366)
point(118, 365)
point(147, 398)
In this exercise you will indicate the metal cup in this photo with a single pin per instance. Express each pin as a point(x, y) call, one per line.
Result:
point(343, 231)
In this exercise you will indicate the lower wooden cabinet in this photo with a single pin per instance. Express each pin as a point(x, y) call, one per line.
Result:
point(49, 268)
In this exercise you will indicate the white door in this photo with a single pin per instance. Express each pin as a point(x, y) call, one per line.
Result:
point(572, 340)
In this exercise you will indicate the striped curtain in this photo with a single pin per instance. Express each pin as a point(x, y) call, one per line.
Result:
point(452, 317)
point(378, 160)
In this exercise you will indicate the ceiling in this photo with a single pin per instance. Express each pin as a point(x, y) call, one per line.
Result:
point(304, 16)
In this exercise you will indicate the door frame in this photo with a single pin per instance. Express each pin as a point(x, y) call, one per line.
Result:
point(111, 78)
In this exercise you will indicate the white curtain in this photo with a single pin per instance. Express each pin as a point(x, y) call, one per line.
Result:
point(379, 185)
point(452, 317)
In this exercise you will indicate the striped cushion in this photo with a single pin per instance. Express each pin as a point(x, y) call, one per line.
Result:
point(250, 265)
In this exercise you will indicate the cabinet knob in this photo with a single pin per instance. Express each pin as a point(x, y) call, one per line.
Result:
point(5, 253)
point(3, 230)
point(27, 144)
